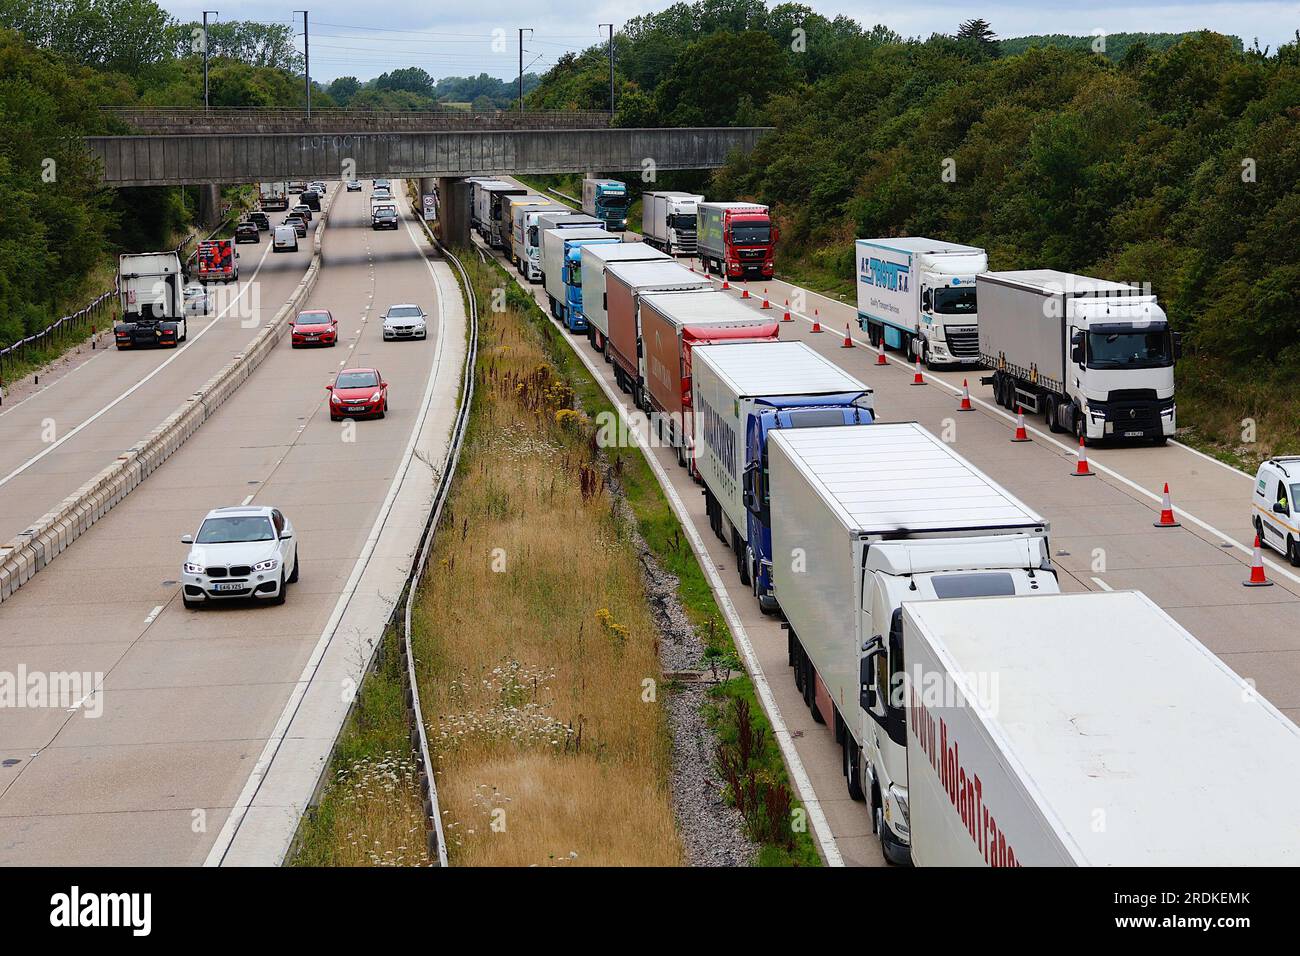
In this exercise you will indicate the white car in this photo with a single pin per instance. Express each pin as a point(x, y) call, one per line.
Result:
point(319, 186)
point(286, 238)
point(239, 553)
point(406, 321)
point(354, 185)
point(198, 301)
point(1276, 506)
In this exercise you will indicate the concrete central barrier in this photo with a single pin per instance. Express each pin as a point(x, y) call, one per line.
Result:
point(54, 531)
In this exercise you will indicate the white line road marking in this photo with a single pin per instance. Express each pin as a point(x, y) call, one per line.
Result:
point(1102, 584)
point(250, 497)
point(245, 800)
point(153, 615)
point(131, 391)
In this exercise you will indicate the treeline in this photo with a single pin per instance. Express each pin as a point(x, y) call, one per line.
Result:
point(1175, 162)
point(414, 89)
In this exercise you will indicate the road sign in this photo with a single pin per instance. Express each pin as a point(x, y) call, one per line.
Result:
point(430, 207)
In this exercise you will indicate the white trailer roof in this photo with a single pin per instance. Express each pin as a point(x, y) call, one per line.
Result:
point(573, 234)
point(734, 205)
point(918, 245)
point(625, 252)
point(1106, 704)
point(1050, 281)
point(776, 368)
point(899, 477)
point(708, 307)
point(654, 273)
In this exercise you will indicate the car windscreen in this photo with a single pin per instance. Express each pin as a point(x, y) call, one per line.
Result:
point(983, 584)
point(230, 530)
point(403, 311)
point(313, 318)
point(356, 380)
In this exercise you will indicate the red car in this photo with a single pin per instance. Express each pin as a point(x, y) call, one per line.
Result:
point(357, 392)
point(317, 327)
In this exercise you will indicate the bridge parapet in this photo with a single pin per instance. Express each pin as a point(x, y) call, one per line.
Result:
point(200, 121)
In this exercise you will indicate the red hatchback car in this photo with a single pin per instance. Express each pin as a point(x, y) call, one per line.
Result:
point(357, 392)
point(317, 327)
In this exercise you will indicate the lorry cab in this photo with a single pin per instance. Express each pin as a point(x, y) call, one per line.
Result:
point(899, 572)
point(575, 320)
point(608, 200)
point(1275, 506)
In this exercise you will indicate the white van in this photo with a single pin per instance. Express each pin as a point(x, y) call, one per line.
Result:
point(1276, 506)
point(286, 238)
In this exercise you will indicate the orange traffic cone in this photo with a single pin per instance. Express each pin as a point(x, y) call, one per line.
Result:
point(880, 353)
point(744, 293)
point(918, 378)
point(1021, 434)
point(965, 405)
point(1166, 512)
point(1257, 579)
point(725, 283)
point(848, 339)
point(766, 304)
point(1081, 469)
point(817, 325)
point(786, 317)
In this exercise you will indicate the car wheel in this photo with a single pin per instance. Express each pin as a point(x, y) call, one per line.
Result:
point(297, 562)
point(279, 598)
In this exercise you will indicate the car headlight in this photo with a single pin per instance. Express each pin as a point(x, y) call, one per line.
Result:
point(336, 400)
point(191, 568)
point(375, 397)
point(268, 565)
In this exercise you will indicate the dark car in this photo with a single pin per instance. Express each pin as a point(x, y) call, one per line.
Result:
point(260, 220)
point(247, 232)
point(384, 217)
point(298, 223)
point(311, 198)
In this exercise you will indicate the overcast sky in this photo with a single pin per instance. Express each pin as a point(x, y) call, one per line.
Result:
point(366, 40)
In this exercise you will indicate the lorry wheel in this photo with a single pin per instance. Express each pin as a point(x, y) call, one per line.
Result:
point(852, 768)
point(742, 568)
point(1052, 416)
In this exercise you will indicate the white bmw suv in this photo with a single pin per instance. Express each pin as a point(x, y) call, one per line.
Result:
point(239, 553)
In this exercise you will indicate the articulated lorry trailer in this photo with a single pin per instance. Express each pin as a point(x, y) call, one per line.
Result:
point(673, 326)
point(1093, 357)
point(668, 221)
point(918, 296)
point(1083, 730)
point(150, 290)
point(736, 239)
point(562, 267)
point(523, 243)
point(487, 206)
point(595, 257)
point(608, 200)
point(561, 217)
point(273, 196)
point(625, 282)
point(501, 231)
point(864, 519)
point(741, 394)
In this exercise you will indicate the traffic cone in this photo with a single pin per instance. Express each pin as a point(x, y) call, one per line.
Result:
point(1257, 579)
point(918, 378)
point(725, 283)
point(744, 293)
point(786, 317)
point(817, 325)
point(1166, 512)
point(848, 339)
point(1021, 434)
point(965, 405)
point(766, 304)
point(1081, 469)
point(880, 354)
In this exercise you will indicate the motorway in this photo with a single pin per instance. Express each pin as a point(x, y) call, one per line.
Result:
point(62, 435)
point(1102, 537)
point(194, 706)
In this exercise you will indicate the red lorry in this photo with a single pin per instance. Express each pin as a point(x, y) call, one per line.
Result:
point(624, 282)
point(736, 239)
point(672, 325)
point(217, 260)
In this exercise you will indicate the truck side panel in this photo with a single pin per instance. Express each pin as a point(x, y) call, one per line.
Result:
point(888, 292)
point(620, 310)
point(720, 441)
point(708, 238)
point(1025, 330)
point(663, 363)
point(967, 805)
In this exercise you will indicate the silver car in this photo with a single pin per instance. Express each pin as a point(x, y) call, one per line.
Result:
point(242, 552)
point(198, 301)
point(406, 321)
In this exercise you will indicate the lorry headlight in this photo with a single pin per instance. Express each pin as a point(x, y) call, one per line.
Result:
point(1169, 412)
point(900, 822)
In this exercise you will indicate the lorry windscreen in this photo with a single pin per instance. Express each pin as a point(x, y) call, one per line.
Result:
point(681, 220)
point(751, 233)
point(955, 302)
point(619, 201)
point(983, 584)
point(1136, 349)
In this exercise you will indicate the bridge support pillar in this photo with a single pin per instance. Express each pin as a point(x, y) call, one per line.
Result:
point(209, 205)
point(453, 209)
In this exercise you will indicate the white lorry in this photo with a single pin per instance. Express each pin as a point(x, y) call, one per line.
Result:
point(151, 295)
point(668, 221)
point(594, 259)
point(560, 217)
point(863, 519)
point(917, 295)
point(273, 196)
point(520, 251)
point(1086, 730)
point(481, 207)
point(1093, 357)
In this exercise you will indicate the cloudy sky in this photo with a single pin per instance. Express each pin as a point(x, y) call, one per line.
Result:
point(365, 40)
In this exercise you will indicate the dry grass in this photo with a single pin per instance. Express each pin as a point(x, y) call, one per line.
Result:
point(534, 640)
